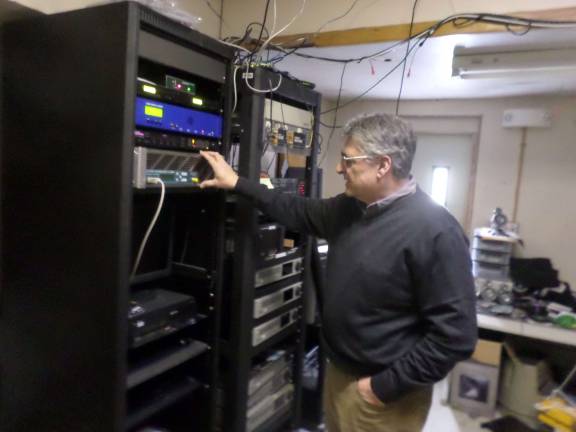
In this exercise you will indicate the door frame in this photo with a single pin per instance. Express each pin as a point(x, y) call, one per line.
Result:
point(455, 125)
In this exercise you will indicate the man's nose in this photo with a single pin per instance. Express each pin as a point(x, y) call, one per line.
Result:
point(339, 168)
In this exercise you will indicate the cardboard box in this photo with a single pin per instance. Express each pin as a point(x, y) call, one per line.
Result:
point(488, 352)
point(296, 161)
point(474, 388)
point(525, 381)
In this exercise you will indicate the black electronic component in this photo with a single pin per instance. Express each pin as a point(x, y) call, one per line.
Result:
point(281, 136)
point(277, 296)
point(270, 239)
point(285, 185)
point(282, 266)
point(273, 326)
point(155, 313)
point(271, 407)
point(269, 376)
point(175, 96)
point(171, 118)
point(156, 139)
point(299, 176)
point(299, 140)
point(180, 85)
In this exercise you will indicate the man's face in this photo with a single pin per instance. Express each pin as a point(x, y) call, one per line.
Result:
point(360, 174)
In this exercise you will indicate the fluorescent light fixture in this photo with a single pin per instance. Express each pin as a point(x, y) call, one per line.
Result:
point(440, 184)
point(471, 63)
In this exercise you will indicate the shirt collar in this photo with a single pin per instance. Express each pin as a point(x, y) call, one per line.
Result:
point(407, 189)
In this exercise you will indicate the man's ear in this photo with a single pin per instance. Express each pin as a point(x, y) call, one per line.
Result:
point(384, 166)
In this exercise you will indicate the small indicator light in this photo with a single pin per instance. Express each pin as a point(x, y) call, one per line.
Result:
point(149, 89)
point(197, 101)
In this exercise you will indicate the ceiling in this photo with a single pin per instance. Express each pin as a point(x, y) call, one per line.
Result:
point(429, 69)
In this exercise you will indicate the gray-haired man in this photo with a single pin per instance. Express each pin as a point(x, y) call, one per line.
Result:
point(399, 307)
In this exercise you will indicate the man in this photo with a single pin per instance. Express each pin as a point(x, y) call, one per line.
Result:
point(399, 307)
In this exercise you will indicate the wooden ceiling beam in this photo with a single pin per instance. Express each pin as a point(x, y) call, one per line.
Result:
point(392, 33)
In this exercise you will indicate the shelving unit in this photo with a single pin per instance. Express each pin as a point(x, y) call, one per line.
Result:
point(254, 331)
point(315, 359)
point(74, 124)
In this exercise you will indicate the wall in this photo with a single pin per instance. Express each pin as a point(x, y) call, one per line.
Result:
point(209, 25)
point(238, 13)
point(547, 205)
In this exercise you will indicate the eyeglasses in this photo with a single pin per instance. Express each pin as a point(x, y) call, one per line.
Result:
point(348, 161)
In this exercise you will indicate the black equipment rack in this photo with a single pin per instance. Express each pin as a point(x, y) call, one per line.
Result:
point(72, 223)
point(239, 354)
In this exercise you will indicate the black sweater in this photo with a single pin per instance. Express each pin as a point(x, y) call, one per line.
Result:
point(399, 304)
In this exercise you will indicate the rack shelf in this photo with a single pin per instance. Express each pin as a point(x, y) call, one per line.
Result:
point(163, 361)
point(154, 402)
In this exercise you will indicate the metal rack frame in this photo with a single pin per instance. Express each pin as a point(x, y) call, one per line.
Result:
point(239, 347)
point(68, 125)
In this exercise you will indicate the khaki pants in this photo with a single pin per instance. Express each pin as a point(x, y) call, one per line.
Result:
point(346, 411)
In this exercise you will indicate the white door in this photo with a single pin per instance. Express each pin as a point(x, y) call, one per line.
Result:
point(442, 168)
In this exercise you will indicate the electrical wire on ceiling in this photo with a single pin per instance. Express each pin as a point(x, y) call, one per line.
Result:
point(261, 30)
point(406, 56)
point(373, 86)
point(253, 58)
point(218, 14)
point(330, 21)
point(247, 59)
point(333, 127)
point(460, 20)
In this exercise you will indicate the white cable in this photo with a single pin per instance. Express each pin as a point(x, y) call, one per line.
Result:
point(255, 90)
point(152, 223)
point(235, 88)
point(272, 36)
point(275, 17)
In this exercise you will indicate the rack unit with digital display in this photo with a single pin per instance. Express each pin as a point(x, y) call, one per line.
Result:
point(174, 119)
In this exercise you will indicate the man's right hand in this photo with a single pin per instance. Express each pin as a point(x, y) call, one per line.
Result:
point(224, 175)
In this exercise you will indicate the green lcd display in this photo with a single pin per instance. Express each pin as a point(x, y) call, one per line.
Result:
point(153, 111)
